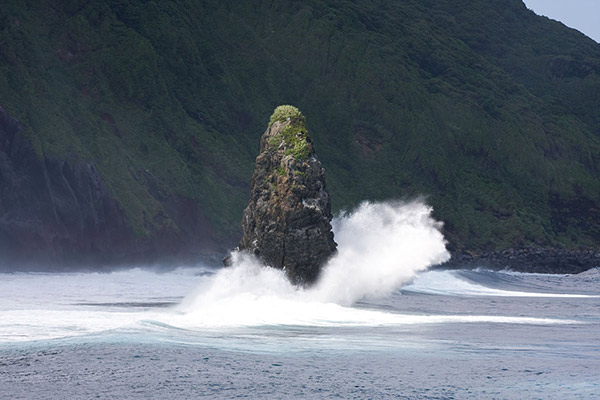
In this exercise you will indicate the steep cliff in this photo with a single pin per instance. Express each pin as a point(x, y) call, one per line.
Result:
point(59, 213)
point(287, 221)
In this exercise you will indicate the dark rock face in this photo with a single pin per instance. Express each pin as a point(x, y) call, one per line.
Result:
point(287, 221)
point(59, 214)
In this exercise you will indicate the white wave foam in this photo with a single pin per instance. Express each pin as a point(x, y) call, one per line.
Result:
point(40, 306)
point(448, 283)
point(249, 294)
point(381, 246)
point(275, 311)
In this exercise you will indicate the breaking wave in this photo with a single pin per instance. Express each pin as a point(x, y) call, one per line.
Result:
point(453, 283)
point(381, 246)
point(384, 249)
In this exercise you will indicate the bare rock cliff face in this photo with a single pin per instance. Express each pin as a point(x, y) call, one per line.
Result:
point(287, 221)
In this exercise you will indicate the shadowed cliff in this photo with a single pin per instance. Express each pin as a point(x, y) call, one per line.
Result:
point(59, 214)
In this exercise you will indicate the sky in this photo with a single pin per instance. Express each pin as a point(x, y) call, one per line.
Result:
point(583, 15)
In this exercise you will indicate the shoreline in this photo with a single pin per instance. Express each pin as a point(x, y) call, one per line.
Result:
point(534, 260)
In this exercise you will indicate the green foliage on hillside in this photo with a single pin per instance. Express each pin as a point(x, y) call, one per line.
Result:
point(487, 110)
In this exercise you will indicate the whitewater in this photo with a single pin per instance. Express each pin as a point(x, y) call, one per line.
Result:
point(382, 322)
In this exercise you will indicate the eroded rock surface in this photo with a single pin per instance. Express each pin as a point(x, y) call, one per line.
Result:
point(287, 221)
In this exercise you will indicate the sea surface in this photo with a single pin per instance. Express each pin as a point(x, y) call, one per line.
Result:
point(379, 324)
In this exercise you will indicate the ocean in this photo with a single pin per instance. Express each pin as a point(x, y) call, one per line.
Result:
point(380, 323)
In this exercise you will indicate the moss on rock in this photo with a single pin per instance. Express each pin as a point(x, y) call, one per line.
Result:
point(294, 136)
point(283, 112)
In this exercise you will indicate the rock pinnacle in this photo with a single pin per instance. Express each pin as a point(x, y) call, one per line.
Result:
point(287, 220)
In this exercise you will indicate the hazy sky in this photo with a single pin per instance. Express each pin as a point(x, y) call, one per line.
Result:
point(583, 15)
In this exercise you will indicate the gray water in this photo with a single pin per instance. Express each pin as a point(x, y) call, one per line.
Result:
point(200, 333)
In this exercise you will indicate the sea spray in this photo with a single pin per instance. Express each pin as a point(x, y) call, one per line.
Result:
point(381, 246)
point(247, 293)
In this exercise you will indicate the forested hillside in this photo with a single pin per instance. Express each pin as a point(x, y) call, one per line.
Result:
point(483, 108)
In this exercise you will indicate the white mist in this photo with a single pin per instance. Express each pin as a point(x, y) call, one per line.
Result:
point(380, 247)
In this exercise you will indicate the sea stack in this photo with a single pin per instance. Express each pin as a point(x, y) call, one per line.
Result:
point(287, 223)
